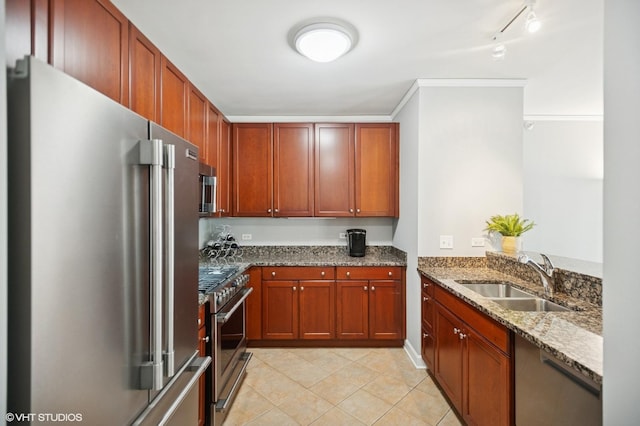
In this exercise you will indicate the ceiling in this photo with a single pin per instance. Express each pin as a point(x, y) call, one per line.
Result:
point(237, 52)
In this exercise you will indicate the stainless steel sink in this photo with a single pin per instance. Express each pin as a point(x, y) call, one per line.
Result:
point(496, 290)
point(530, 305)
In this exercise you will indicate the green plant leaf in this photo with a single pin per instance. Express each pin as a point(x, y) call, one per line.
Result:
point(509, 225)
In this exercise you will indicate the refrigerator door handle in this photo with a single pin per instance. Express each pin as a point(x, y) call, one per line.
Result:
point(170, 166)
point(151, 154)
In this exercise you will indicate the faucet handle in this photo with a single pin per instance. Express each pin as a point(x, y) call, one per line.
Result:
point(523, 258)
point(547, 263)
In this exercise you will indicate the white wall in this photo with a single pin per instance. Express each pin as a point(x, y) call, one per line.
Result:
point(3, 224)
point(621, 291)
point(563, 172)
point(406, 231)
point(299, 231)
point(471, 155)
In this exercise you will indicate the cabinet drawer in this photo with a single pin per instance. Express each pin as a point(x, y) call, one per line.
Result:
point(490, 329)
point(298, 273)
point(369, 272)
point(427, 286)
point(427, 309)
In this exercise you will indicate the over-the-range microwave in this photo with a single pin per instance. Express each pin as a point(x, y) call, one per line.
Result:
point(207, 190)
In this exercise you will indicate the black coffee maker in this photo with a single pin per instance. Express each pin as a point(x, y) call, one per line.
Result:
point(357, 240)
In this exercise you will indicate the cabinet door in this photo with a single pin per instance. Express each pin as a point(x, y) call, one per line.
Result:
point(197, 121)
point(293, 169)
point(212, 143)
point(280, 310)
point(428, 347)
point(334, 170)
point(223, 169)
point(174, 98)
point(252, 169)
point(254, 305)
point(449, 355)
point(376, 169)
point(90, 42)
point(486, 392)
point(144, 71)
point(385, 310)
point(352, 300)
point(317, 309)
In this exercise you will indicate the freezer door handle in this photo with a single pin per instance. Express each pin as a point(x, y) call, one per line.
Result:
point(170, 166)
point(151, 154)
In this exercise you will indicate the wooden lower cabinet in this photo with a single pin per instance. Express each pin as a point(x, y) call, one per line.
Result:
point(428, 309)
point(202, 347)
point(472, 361)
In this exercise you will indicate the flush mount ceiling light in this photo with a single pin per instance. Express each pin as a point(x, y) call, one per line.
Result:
point(323, 41)
point(532, 24)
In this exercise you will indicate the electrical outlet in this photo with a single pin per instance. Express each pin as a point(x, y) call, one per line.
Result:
point(342, 235)
point(477, 242)
point(247, 237)
point(446, 242)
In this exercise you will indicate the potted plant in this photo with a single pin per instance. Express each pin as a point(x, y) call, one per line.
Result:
point(511, 227)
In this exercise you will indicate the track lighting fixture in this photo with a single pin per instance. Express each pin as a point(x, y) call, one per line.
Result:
point(532, 24)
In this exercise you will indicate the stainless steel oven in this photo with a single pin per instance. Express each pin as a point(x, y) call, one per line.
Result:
point(207, 179)
point(227, 293)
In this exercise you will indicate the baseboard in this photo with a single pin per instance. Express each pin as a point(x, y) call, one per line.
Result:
point(414, 356)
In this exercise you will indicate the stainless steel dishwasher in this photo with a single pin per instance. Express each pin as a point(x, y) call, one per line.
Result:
point(550, 393)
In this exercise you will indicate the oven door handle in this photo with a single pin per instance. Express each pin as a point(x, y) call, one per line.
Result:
point(223, 317)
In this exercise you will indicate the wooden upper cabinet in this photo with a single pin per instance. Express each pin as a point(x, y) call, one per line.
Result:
point(197, 123)
point(173, 98)
point(252, 169)
point(212, 142)
point(26, 30)
point(223, 169)
point(376, 169)
point(144, 72)
point(293, 169)
point(334, 170)
point(90, 42)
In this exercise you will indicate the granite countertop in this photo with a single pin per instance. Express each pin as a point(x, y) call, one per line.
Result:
point(573, 337)
point(315, 256)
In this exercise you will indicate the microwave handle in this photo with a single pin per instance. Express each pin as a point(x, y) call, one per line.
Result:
point(208, 184)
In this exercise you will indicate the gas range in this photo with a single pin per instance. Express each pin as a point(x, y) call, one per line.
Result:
point(220, 283)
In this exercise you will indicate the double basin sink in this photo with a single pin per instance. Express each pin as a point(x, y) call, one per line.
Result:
point(510, 297)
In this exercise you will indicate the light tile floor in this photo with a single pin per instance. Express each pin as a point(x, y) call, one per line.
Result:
point(337, 386)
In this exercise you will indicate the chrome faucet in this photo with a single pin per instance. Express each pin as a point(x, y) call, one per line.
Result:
point(545, 272)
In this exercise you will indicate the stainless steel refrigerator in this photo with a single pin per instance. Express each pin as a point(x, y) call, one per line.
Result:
point(103, 259)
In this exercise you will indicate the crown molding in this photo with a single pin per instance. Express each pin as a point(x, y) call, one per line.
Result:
point(533, 117)
point(309, 118)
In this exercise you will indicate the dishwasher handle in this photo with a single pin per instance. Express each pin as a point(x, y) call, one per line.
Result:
point(580, 380)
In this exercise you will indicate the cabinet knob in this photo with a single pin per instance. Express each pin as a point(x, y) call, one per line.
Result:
point(462, 336)
point(301, 288)
point(199, 321)
point(425, 285)
point(357, 210)
point(268, 210)
point(390, 273)
point(273, 274)
point(425, 335)
point(456, 330)
point(373, 288)
point(276, 210)
point(348, 273)
point(294, 288)
point(221, 210)
point(350, 210)
point(322, 273)
point(205, 339)
point(425, 299)
point(366, 288)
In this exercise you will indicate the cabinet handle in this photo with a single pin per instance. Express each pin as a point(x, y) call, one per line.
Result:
point(462, 336)
point(425, 285)
point(199, 321)
point(348, 274)
point(455, 330)
point(322, 273)
point(205, 339)
point(425, 335)
point(366, 288)
point(294, 288)
point(301, 288)
point(425, 299)
point(268, 210)
point(221, 210)
point(273, 274)
point(390, 273)
point(350, 210)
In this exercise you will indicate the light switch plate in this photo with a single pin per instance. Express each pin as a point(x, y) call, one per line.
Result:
point(247, 237)
point(446, 242)
point(477, 242)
